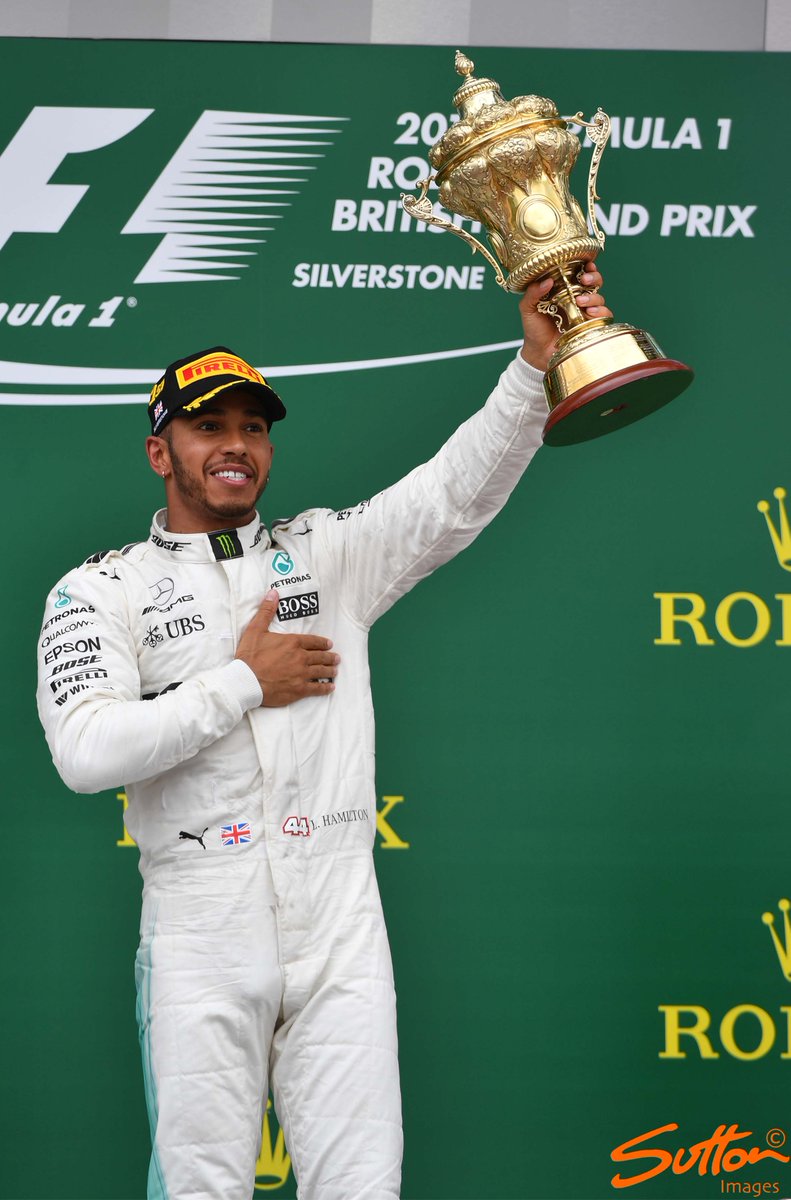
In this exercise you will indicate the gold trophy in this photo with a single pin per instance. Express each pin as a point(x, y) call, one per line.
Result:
point(506, 163)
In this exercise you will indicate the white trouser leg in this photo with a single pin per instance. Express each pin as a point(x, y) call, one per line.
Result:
point(209, 991)
point(334, 1062)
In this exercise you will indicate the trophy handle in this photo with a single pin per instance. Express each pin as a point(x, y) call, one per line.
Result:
point(421, 209)
point(599, 133)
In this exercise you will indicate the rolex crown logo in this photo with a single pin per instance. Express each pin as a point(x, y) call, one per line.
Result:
point(781, 537)
point(783, 948)
point(274, 1163)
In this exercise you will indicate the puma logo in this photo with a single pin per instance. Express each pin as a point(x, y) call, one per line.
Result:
point(193, 837)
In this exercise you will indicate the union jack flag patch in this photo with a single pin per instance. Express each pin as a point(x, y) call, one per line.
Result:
point(234, 835)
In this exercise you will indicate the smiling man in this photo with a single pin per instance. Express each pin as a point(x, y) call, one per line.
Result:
point(202, 676)
point(215, 457)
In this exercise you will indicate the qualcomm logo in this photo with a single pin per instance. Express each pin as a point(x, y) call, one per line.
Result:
point(223, 189)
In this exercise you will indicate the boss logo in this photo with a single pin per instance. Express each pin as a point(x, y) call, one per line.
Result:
point(306, 604)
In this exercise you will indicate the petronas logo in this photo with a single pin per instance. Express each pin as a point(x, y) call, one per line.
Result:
point(274, 1163)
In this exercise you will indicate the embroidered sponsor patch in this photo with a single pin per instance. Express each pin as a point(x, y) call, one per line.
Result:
point(304, 604)
point(236, 834)
point(225, 544)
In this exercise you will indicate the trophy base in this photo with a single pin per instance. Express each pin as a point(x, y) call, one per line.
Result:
point(605, 376)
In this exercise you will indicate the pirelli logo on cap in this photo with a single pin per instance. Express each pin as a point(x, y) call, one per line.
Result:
point(214, 364)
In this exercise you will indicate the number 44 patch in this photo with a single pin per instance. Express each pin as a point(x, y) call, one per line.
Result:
point(297, 826)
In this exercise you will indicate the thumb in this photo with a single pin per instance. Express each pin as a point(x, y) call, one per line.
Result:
point(534, 293)
point(268, 610)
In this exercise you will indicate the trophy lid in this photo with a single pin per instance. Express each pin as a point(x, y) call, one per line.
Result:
point(474, 94)
point(484, 113)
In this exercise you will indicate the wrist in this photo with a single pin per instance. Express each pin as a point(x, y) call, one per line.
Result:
point(535, 358)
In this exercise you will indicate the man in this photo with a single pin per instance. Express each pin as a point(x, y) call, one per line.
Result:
point(247, 753)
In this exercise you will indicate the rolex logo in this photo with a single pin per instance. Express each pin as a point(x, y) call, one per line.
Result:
point(741, 619)
point(783, 948)
point(747, 1031)
point(780, 533)
point(274, 1163)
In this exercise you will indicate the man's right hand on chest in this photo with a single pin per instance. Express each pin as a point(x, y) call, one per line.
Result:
point(288, 666)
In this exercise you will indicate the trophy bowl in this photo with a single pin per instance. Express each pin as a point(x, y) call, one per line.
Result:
point(506, 164)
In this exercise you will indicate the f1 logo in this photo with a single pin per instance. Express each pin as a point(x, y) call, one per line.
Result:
point(31, 204)
point(185, 212)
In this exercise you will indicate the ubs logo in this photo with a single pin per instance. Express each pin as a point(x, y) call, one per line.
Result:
point(184, 626)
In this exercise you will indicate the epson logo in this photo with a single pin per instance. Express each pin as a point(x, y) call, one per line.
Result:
point(82, 646)
point(304, 605)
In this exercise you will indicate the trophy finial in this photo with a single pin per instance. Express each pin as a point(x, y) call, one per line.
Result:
point(463, 65)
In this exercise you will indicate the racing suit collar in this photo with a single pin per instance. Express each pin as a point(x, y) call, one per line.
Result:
point(219, 546)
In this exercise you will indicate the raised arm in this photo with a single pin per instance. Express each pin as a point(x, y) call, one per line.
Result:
point(386, 545)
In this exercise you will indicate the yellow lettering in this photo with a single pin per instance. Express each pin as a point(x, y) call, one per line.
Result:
point(674, 1030)
point(390, 839)
point(767, 1032)
point(785, 608)
point(127, 839)
point(722, 619)
point(785, 1008)
point(668, 618)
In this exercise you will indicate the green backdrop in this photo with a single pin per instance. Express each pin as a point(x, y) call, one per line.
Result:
point(594, 813)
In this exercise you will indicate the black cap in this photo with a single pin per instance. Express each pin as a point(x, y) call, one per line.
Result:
point(190, 381)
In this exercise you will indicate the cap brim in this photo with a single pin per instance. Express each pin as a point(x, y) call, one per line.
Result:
point(274, 407)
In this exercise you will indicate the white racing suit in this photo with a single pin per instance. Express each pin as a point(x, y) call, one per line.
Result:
point(263, 958)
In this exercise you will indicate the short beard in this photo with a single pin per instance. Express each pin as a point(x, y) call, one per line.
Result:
point(192, 488)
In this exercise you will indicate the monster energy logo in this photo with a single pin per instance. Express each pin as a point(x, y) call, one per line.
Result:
point(226, 544)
